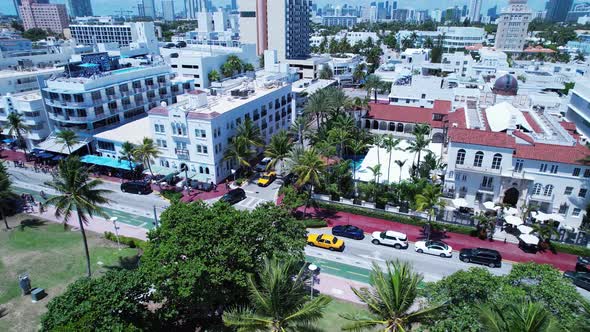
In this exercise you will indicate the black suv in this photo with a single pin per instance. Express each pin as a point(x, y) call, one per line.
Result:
point(136, 187)
point(233, 196)
point(583, 264)
point(484, 256)
point(580, 279)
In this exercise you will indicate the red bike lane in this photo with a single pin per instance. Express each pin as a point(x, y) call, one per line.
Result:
point(509, 251)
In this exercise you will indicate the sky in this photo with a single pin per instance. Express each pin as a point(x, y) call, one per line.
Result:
point(109, 7)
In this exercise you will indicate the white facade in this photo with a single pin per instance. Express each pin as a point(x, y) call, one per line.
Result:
point(474, 10)
point(513, 26)
point(578, 109)
point(197, 130)
point(31, 108)
point(14, 81)
point(452, 37)
point(197, 61)
point(142, 33)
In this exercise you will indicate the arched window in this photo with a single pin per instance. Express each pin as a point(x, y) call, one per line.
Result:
point(206, 170)
point(460, 157)
point(382, 125)
point(375, 124)
point(497, 161)
point(167, 164)
point(400, 127)
point(537, 189)
point(368, 124)
point(201, 169)
point(548, 190)
point(478, 159)
point(391, 126)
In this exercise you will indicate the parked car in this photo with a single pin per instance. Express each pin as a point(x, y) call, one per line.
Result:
point(583, 264)
point(437, 248)
point(289, 179)
point(325, 241)
point(390, 238)
point(136, 187)
point(261, 166)
point(348, 231)
point(233, 196)
point(580, 279)
point(267, 178)
point(489, 257)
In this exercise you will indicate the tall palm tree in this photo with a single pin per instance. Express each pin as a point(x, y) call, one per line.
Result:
point(400, 164)
point(5, 191)
point(234, 63)
point(357, 147)
point(18, 129)
point(419, 144)
point(359, 72)
point(428, 200)
point(147, 151)
point(250, 132)
point(522, 316)
point(421, 129)
point(338, 100)
point(378, 142)
point(127, 150)
point(376, 170)
point(240, 151)
point(372, 83)
point(545, 231)
point(300, 126)
point(77, 194)
point(392, 295)
point(278, 148)
point(68, 138)
point(390, 143)
point(485, 224)
point(339, 136)
point(279, 301)
point(317, 106)
point(309, 169)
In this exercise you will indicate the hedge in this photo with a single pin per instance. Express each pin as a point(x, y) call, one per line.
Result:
point(171, 195)
point(129, 241)
point(315, 223)
point(392, 217)
point(571, 249)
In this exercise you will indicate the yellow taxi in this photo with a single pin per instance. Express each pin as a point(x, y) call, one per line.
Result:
point(267, 178)
point(325, 241)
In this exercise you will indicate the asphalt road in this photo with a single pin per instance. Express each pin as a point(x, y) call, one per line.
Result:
point(256, 195)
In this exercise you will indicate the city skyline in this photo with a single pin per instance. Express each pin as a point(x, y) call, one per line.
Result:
point(105, 7)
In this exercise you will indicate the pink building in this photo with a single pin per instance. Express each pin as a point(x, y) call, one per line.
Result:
point(50, 17)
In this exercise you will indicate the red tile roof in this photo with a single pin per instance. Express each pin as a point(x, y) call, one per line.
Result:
point(458, 117)
point(532, 122)
point(409, 114)
point(569, 126)
point(523, 136)
point(553, 153)
point(481, 137)
point(158, 110)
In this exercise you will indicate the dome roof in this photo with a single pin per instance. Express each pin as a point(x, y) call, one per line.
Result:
point(506, 85)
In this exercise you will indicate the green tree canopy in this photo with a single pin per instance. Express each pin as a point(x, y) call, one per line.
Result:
point(35, 34)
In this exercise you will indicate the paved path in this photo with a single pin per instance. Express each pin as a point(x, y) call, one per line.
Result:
point(509, 251)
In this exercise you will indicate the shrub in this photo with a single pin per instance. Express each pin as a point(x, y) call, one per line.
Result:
point(128, 241)
point(571, 249)
point(315, 223)
point(171, 195)
point(392, 217)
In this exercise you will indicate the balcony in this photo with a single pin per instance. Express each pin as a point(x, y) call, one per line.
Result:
point(182, 154)
point(542, 198)
point(486, 188)
point(471, 168)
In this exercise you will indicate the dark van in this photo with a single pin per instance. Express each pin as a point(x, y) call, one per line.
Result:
point(234, 196)
point(489, 257)
point(136, 187)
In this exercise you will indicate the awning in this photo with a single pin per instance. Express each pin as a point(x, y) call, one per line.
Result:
point(58, 158)
point(35, 151)
point(511, 211)
point(513, 220)
point(8, 140)
point(108, 162)
point(51, 145)
point(529, 239)
point(460, 202)
point(489, 205)
point(45, 155)
point(524, 229)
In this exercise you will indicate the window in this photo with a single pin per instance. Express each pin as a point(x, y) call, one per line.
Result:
point(497, 161)
point(548, 190)
point(576, 172)
point(106, 146)
point(563, 208)
point(487, 182)
point(537, 189)
point(478, 159)
point(159, 128)
point(554, 169)
point(568, 190)
point(460, 157)
point(518, 166)
point(587, 173)
point(202, 149)
point(200, 133)
point(478, 197)
point(576, 212)
point(582, 192)
point(543, 168)
point(162, 143)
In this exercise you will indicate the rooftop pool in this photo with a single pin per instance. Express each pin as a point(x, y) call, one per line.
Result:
point(125, 70)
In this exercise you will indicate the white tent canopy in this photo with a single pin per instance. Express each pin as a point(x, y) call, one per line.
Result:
point(489, 205)
point(513, 220)
point(460, 202)
point(504, 116)
point(511, 211)
point(529, 239)
point(524, 229)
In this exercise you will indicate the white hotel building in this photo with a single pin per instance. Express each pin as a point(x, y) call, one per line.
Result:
point(197, 129)
point(31, 108)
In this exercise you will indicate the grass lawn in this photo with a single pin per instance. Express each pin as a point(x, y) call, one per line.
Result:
point(332, 322)
point(53, 257)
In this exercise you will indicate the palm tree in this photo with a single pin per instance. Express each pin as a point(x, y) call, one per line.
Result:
point(338, 100)
point(376, 170)
point(393, 294)
point(357, 147)
point(419, 144)
point(400, 164)
point(429, 200)
point(127, 150)
point(317, 105)
point(309, 168)
point(68, 138)
point(485, 224)
point(250, 132)
point(580, 57)
point(340, 136)
point(77, 194)
point(390, 143)
point(545, 231)
point(234, 63)
point(18, 128)
point(429, 43)
point(214, 76)
point(5, 191)
point(326, 73)
point(421, 129)
point(523, 316)
point(278, 148)
point(372, 83)
point(378, 142)
point(279, 301)
point(359, 72)
point(240, 151)
point(147, 151)
point(300, 126)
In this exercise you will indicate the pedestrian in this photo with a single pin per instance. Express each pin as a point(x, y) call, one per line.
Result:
point(41, 208)
point(227, 184)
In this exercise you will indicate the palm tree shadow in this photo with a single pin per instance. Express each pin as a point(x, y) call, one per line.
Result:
point(31, 223)
point(3, 312)
point(125, 263)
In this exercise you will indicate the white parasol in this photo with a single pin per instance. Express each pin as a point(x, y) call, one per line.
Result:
point(513, 220)
point(524, 229)
point(529, 239)
point(460, 202)
point(556, 217)
point(511, 211)
point(489, 205)
point(540, 216)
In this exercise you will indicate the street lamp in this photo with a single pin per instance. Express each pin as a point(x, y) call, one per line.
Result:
point(114, 221)
point(312, 269)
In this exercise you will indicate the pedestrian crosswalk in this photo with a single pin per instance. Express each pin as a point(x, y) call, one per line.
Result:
point(249, 203)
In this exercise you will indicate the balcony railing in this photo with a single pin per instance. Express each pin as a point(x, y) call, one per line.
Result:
point(542, 197)
point(470, 167)
point(182, 153)
point(486, 188)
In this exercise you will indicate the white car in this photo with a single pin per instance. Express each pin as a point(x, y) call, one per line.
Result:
point(390, 238)
point(437, 248)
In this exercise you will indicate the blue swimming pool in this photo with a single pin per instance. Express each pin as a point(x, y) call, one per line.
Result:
point(356, 164)
point(125, 70)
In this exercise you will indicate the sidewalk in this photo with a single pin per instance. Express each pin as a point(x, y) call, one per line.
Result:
point(337, 287)
point(509, 251)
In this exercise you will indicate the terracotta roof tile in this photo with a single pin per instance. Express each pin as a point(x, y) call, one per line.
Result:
point(481, 137)
point(158, 110)
point(532, 122)
point(409, 114)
